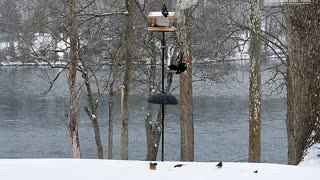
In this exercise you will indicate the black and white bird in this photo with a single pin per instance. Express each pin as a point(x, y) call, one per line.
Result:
point(179, 66)
point(164, 11)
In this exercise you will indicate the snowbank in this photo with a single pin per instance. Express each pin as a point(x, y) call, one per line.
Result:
point(311, 156)
point(84, 169)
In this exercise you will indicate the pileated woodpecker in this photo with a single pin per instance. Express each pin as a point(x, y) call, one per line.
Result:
point(179, 68)
point(181, 65)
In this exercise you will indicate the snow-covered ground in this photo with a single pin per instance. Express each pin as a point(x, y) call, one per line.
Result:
point(94, 169)
point(311, 156)
point(85, 169)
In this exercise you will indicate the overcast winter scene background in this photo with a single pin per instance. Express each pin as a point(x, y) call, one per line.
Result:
point(76, 77)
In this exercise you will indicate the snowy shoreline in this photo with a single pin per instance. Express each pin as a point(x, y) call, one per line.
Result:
point(94, 169)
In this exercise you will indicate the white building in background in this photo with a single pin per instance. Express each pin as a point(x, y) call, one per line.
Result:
point(282, 2)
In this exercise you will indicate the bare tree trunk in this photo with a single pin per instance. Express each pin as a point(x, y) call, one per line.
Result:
point(74, 97)
point(154, 129)
point(303, 112)
point(127, 80)
point(153, 138)
point(92, 113)
point(124, 125)
point(110, 110)
point(186, 99)
point(255, 84)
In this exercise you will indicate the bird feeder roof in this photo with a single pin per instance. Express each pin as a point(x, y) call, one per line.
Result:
point(159, 23)
point(159, 14)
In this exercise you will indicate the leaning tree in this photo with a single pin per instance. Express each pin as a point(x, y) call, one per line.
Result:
point(303, 77)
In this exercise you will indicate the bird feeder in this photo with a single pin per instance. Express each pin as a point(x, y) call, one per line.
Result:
point(160, 23)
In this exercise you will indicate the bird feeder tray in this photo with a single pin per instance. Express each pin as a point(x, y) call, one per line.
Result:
point(160, 23)
point(162, 29)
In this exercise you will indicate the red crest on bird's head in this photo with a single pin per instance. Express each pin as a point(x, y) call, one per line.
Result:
point(189, 60)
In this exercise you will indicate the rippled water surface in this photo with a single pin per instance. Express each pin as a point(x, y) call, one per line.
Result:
point(32, 124)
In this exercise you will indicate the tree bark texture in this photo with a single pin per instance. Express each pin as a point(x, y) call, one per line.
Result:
point(127, 80)
point(255, 84)
point(154, 136)
point(303, 78)
point(74, 97)
point(153, 129)
point(186, 99)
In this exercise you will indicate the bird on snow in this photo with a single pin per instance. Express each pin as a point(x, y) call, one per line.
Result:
point(219, 165)
point(178, 165)
point(164, 11)
point(152, 166)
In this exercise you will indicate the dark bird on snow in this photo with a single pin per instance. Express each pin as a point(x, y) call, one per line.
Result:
point(164, 11)
point(178, 165)
point(256, 171)
point(152, 166)
point(219, 165)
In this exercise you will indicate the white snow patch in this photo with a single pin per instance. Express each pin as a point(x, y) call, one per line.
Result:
point(311, 156)
point(85, 169)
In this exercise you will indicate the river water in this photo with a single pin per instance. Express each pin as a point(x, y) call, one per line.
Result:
point(32, 123)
